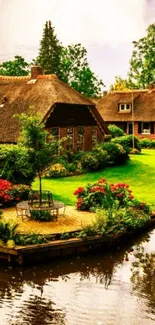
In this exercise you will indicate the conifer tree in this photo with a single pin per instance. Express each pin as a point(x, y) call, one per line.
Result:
point(50, 51)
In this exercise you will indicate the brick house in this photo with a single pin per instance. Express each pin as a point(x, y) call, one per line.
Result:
point(130, 109)
point(65, 112)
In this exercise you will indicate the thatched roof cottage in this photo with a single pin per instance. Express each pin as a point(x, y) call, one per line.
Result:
point(130, 108)
point(65, 112)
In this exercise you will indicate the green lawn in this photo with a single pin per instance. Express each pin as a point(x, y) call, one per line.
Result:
point(139, 173)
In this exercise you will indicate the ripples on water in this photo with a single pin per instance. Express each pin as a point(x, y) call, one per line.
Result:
point(113, 289)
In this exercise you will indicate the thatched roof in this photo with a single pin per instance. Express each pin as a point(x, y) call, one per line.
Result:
point(143, 106)
point(18, 94)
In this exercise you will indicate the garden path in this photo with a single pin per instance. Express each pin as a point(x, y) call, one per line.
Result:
point(71, 222)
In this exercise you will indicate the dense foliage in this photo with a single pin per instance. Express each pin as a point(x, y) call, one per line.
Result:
point(10, 194)
point(16, 164)
point(142, 63)
point(102, 155)
point(76, 72)
point(69, 63)
point(115, 131)
point(41, 215)
point(146, 143)
point(118, 221)
point(17, 67)
point(128, 142)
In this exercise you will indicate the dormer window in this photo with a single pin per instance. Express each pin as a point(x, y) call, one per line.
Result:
point(124, 108)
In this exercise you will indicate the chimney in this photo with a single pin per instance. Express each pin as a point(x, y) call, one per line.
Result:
point(36, 71)
point(105, 92)
point(151, 85)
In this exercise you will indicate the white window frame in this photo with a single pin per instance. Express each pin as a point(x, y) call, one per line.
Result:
point(145, 131)
point(125, 108)
point(80, 140)
point(68, 139)
point(56, 137)
point(94, 136)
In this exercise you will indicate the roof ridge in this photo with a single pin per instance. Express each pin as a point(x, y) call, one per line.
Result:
point(47, 76)
point(14, 77)
point(127, 91)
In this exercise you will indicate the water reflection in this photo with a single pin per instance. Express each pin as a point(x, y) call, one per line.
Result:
point(143, 276)
point(89, 290)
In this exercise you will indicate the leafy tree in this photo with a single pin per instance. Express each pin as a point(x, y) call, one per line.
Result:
point(120, 84)
point(76, 71)
point(17, 67)
point(34, 138)
point(50, 51)
point(142, 63)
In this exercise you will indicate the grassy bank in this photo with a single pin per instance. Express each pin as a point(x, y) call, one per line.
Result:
point(139, 173)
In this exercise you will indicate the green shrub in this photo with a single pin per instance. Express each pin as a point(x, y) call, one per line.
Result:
point(41, 215)
point(145, 143)
point(89, 161)
point(7, 230)
point(30, 239)
point(55, 170)
point(116, 152)
point(16, 164)
point(152, 145)
point(127, 142)
point(116, 222)
point(102, 157)
point(115, 131)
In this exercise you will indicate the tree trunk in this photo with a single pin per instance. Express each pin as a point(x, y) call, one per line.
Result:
point(40, 191)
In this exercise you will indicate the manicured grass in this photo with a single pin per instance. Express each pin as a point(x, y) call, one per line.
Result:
point(139, 173)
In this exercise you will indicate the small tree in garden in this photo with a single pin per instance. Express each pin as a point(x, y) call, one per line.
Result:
point(34, 137)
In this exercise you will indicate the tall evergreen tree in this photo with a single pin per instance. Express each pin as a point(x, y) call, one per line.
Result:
point(50, 51)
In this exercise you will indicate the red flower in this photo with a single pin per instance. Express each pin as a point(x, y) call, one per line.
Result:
point(97, 189)
point(79, 190)
point(102, 180)
point(120, 194)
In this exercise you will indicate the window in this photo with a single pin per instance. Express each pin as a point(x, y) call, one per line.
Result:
point(94, 137)
point(69, 145)
point(146, 128)
point(80, 138)
point(55, 134)
point(124, 107)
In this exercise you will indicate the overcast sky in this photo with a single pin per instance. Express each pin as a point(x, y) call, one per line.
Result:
point(105, 27)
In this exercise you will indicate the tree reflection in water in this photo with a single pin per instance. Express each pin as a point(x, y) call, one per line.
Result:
point(143, 276)
point(39, 311)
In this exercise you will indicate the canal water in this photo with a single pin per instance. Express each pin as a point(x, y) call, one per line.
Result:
point(96, 289)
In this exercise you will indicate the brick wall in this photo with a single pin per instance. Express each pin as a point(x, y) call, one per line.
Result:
point(87, 136)
point(142, 136)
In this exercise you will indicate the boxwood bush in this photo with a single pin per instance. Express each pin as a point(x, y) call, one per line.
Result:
point(127, 142)
point(115, 131)
point(146, 143)
point(117, 154)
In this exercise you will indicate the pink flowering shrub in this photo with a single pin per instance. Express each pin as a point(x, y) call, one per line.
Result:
point(10, 194)
point(103, 194)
